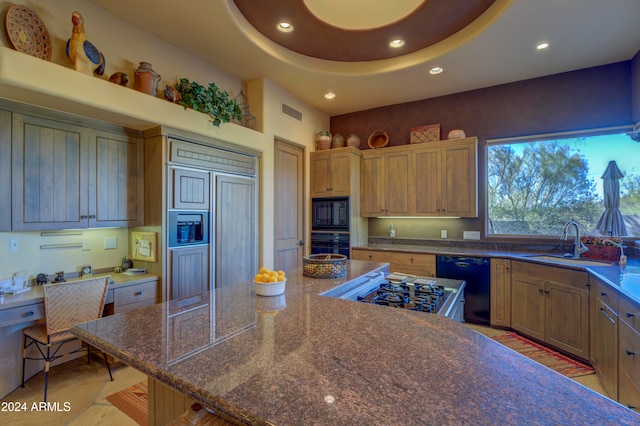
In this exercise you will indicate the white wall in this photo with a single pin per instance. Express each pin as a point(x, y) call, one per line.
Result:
point(124, 46)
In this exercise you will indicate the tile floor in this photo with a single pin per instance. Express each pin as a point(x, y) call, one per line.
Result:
point(85, 388)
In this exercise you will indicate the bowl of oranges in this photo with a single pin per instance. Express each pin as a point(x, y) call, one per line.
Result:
point(269, 283)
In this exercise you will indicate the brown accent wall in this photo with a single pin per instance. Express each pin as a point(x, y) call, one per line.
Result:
point(589, 98)
point(585, 99)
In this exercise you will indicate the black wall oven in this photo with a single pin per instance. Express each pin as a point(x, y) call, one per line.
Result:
point(330, 243)
point(330, 214)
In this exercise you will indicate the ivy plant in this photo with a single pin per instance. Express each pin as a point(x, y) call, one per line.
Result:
point(210, 100)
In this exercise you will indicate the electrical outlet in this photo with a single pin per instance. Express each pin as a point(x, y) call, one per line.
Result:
point(13, 244)
point(110, 243)
point(85, 244)
point(471, 235)
point(443, 233)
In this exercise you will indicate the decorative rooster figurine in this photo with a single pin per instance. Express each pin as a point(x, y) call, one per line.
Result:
point(85, 56)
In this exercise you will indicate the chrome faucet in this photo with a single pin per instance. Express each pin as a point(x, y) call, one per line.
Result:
point(578, 247)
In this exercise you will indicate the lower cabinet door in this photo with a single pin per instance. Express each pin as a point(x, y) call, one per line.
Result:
point(189, 271)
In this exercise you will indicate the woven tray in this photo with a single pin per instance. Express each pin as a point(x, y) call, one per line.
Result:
point(324, 265)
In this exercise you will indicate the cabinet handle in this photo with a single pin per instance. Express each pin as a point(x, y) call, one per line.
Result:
point(411, 259)
point(629, 314)
point(370, 257)
point(540, 291)
point(546, 292)
point(137, 293)
point(602, 293)
point(629, 352)
point(92, 216)
point(84, 216)
point(633, 407)
point(606, 314)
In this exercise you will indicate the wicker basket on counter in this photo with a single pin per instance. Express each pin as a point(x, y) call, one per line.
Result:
point(324, 265)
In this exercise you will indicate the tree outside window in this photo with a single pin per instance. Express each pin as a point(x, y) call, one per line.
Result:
point(535, 187)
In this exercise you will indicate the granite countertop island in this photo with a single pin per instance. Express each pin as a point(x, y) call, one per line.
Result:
point(303, 358)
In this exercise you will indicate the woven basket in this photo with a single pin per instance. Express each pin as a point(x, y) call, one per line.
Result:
point(378, 139)
point(324, 265)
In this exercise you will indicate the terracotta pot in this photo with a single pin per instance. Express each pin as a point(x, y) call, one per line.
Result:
point(146, 79)
point(322, 143)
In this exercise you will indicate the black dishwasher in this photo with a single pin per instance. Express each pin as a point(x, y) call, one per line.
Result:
point(475, 271)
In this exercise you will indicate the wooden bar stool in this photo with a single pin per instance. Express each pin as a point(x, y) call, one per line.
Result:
point(65, 305)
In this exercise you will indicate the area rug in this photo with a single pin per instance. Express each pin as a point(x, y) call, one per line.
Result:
point(543, 355)
point(132, 401)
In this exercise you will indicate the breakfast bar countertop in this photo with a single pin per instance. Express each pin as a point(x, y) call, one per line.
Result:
point(303, 358)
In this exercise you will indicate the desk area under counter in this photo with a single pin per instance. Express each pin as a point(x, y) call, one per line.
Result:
point(18, 311)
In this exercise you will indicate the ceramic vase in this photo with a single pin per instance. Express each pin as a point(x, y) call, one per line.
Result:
point(146, 79)
point(354, 141)
point(456, 134)
point(337, 141)
point(323, 140)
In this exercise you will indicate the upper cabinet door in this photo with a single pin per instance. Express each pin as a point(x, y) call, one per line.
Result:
point(331, 173)
point(118, 179)
point(460, 179)
point(49, 175)
point(5, 170)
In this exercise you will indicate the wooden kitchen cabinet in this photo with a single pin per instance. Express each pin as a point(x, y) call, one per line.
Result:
point(66, 176)
point(385, 182)
point(189, 271)
point(335, 172)
point(552, 305)
point(444, 179)
point(430, 179)
point(407, 263)
point(500, 292)
point(190, 189)
point(603, 354)
point(5, 170)
point(629, 354)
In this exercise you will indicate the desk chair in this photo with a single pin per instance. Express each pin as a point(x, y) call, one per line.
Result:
point(65, 305)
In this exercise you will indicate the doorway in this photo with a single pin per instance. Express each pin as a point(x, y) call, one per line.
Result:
point(289, 205)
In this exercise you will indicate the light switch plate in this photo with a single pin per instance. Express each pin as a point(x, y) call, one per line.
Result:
point(86, 244)
point(471, 235)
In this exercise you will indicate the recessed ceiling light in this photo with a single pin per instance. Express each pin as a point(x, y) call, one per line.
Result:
point(542, 46)
point(329, 95)
point(396, 43)
point(284, 27)
point(436, 70)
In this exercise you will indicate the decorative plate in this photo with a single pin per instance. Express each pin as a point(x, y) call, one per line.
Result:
point(27, 33)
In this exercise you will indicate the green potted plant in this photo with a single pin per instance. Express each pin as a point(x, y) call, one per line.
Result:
point(210, 100)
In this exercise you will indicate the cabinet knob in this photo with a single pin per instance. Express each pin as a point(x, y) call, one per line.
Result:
point(29, 314)
point(411, 259)
point(137, 293)
point(546, 292)
point(300, 243)
point(629, 352)
point(84, 216)
point(370, 257)
point(540, 291)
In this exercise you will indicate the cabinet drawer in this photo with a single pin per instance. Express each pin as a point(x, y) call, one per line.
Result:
point(629, 353)
point(145, 292)
point(629, 312)
point(606, 294)
point(411, 270)
point(22, 314)
point(370, 255)
point(413, 259)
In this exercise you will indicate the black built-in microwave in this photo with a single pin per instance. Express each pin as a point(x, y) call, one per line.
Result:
point(330, 214)
point(188, 228)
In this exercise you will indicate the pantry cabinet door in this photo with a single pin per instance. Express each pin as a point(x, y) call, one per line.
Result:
point(49, 175)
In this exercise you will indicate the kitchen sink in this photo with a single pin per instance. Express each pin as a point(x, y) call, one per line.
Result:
point(569, 260)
